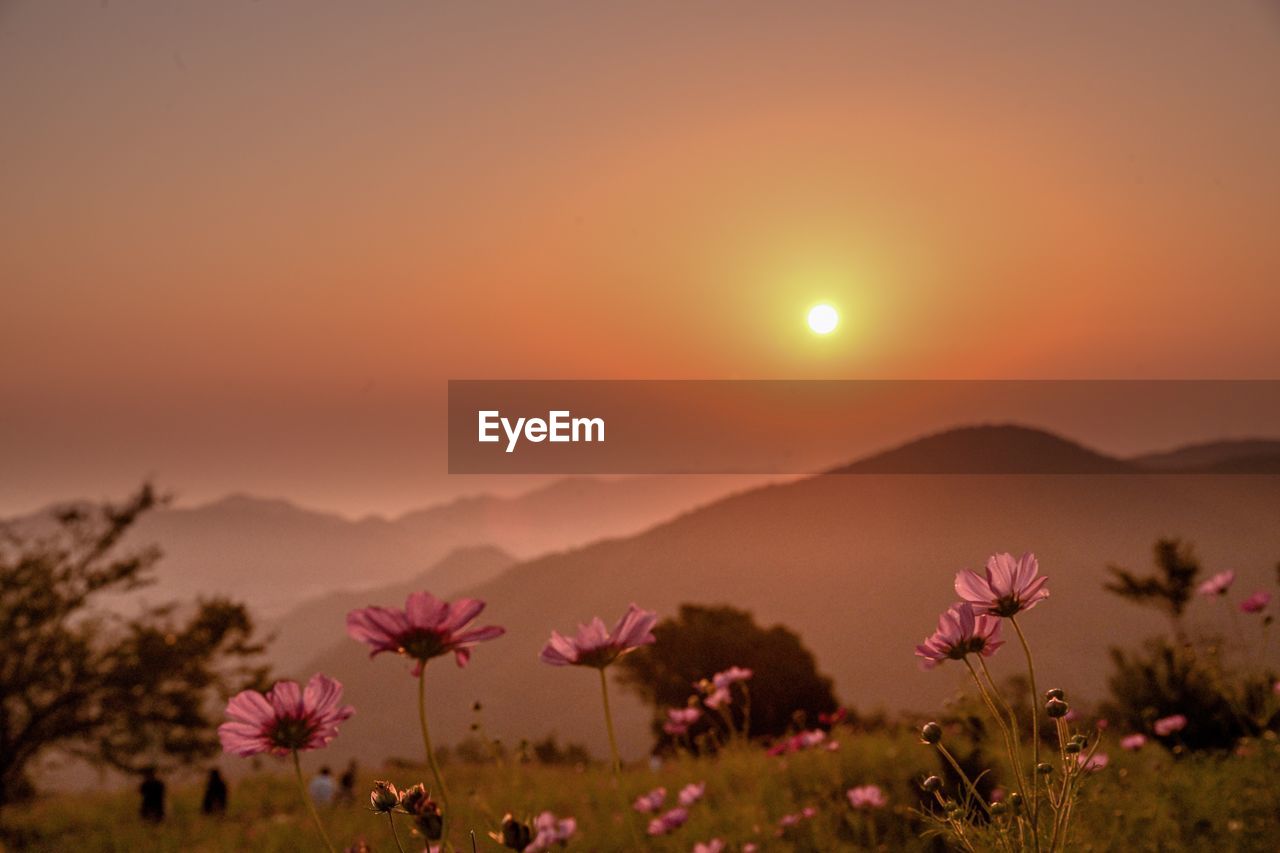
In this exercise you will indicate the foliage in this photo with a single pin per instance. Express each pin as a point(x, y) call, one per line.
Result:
point(1163, 678)
point(786, 691)
point(1149, 800)
point(123, 692)
point(1168, 589)
point(1192, 676)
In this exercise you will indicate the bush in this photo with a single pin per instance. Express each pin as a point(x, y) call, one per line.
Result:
point(786, 690)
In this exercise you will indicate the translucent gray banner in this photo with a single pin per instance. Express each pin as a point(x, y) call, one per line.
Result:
point(864, 427)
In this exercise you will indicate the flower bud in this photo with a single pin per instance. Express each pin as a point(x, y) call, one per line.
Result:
point(426, 814)
point(1055, 693)
point(952, 807)
point(1080, 739)
point(384, 797)
point(931, 733)
point(1044, 769)
point(429, 822)
point(998, 809)
point(1015, 800)
point(1056, 708)
point(410, 798)
point(1071, 748)
point(515, 835)
point(931, 784)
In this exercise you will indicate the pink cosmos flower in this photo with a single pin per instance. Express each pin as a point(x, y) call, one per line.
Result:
point(597, 647)
point(798, 742)
point(425, 629)
point(835, 718)
point(1218, 584)
point(650, 802)
point(691, 793)
point(732, 675)
point(1275, 688)
point(680, 719)
point(789, 820)
point(715, 845)
point(1256, 603)
point(285, 719)
point(961, 631)
point(1133, 742)
point(668, 822)
point(1094, 763)
point(550, 830)
point(750, 847)
point(1010, 586)
point(1166, 726)
point(717, 690)
point(867, 797)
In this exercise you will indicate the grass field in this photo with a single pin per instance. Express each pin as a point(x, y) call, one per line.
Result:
point(1149, 800)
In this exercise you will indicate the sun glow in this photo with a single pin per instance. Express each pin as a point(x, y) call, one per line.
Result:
point(823, 319)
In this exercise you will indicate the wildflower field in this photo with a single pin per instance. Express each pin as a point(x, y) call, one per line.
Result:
point(1151, 799)
point(1004, 766)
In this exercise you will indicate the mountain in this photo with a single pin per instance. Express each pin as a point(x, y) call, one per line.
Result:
point(294, 634)
point(860, 566)
point(274, 554)
point(1253, 455)
point(996, 449)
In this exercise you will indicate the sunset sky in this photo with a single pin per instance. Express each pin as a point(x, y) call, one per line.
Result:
point(244, 245)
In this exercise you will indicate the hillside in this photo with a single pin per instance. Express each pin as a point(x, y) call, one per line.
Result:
point(859, 565)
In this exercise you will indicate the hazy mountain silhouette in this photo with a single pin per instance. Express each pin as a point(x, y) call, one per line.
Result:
point(999, 449)
point(859, 565)
point(1256, 455)
point(274, 554)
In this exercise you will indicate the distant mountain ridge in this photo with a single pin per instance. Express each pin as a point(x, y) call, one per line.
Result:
point(1258, 455)
point(274, 554)
point(990, 449)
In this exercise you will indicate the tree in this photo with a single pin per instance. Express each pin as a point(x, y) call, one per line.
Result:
point(701, 641)
point(1169, 589)
point(125, 692)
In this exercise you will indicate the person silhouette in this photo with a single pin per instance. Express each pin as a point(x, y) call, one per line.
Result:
point(215, 794)
point(152, 791)
point(347, 783)
point(322, 788)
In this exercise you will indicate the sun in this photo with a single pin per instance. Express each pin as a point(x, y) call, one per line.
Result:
point(823, 319)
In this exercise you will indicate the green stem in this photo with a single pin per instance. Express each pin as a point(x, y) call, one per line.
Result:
point(391, 820)
point(1009, 747)
point(1035, 724)
point(1008, 709)
point(608, 722)
point(306, 798)
point(431, 757)
point(963, 777)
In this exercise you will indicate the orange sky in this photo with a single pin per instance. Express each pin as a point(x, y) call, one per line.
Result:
point(242, 245)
